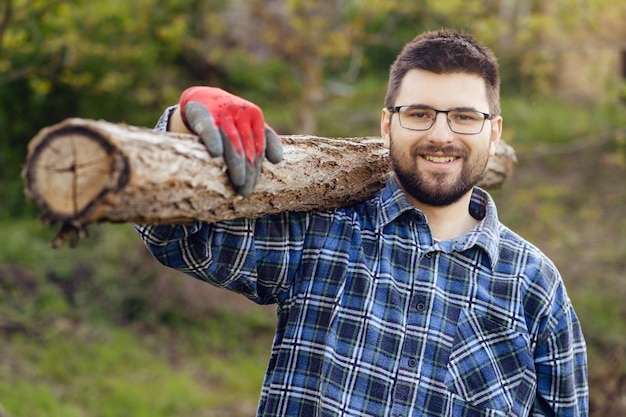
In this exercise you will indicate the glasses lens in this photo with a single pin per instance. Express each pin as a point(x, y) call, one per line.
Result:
point(417, 118)
point(468, 122)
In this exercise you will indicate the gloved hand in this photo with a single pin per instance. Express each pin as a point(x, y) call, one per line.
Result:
point(233, 127)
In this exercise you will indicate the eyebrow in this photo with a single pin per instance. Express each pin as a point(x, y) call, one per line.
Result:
point(460, 108)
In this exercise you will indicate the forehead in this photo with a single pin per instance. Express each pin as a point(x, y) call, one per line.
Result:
point(443, 91)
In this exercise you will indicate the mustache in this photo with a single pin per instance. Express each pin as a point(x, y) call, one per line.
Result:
point(449, 150)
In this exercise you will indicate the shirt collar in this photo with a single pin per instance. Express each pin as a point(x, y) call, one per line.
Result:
point(393, 202)
point(487, 233)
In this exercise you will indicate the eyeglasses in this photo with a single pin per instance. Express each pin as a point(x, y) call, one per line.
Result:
point(465, 122)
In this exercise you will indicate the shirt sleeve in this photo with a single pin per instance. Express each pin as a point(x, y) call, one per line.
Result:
point(164, 120)
point(256, 258)
point(561, 363)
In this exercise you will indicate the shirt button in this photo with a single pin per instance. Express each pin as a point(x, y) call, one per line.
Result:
point(429, 255)
point(420, 307)
point(412, 363)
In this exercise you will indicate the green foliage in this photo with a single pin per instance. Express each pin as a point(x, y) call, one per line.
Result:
point(358, 116)
point(531, 122)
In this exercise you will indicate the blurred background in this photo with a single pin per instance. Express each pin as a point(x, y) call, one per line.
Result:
point(102, 330)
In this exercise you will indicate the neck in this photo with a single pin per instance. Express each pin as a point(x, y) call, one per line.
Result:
point(449, 222)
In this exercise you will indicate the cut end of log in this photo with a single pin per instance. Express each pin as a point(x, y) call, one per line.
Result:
point(70, 170)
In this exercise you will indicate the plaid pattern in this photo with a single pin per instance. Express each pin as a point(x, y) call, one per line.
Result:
point(376, 319)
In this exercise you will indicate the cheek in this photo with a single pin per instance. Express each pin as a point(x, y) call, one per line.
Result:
point(402, 139)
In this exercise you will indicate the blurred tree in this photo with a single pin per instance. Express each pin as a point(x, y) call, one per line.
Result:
point(306, 35)
point(124, 61)
point(111, 59)
point(25, 70)
point(533, 38)
point(320, 42)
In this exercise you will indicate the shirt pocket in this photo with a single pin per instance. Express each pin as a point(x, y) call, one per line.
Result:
point(490, 364)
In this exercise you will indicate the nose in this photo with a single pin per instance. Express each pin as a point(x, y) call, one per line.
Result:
point(440, 131)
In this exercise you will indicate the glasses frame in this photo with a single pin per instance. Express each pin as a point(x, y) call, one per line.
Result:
point(396, 109)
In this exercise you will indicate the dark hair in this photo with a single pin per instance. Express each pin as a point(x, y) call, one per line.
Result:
point(443, 52)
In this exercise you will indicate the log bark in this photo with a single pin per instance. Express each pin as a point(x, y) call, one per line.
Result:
point(82, 171)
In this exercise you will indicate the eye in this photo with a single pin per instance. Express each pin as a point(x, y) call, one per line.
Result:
point(466, 116)
point(423, 114)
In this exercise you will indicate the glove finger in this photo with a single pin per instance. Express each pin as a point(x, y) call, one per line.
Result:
point(252, 176)
point(257, 126)
point(273, 146)
point(201, 122)
point(251, 139)
point(235, 163)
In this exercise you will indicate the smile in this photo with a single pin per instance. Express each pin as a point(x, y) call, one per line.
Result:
point(440, 159)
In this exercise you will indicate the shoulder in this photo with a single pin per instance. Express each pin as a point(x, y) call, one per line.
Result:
point(542, 287)
point(516, 254)
point(542, 293)
point(513, 254)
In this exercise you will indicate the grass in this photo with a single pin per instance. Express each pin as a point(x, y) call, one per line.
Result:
point(108, 372)
point(71, 348)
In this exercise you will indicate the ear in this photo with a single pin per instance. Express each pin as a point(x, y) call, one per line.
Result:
point(496, 133)
point(385, 127)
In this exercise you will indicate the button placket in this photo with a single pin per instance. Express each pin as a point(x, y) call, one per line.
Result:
point(410, 359)
point(409, 363)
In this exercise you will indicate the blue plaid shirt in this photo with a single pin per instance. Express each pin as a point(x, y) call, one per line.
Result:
point(377, 319)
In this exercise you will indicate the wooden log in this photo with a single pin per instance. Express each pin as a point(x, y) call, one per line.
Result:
point(82, 171)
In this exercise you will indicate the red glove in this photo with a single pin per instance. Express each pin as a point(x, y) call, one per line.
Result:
point(233, 127)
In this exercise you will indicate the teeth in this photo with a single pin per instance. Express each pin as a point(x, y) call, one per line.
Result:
point(440, 159)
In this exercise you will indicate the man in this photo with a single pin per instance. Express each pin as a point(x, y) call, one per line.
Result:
point(416, 302)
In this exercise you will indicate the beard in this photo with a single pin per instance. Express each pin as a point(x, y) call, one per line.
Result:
point(437, 189)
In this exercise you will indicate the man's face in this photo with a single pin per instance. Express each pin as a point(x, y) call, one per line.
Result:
point(437, 167)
